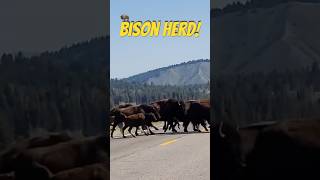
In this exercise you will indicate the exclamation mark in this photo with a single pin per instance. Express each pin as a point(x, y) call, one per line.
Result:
point(197, 33)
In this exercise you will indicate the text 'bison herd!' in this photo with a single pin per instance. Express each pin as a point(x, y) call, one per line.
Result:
point(169, 111)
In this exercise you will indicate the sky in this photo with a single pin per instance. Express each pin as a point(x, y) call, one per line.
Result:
point(133, 55)
point(35, 26)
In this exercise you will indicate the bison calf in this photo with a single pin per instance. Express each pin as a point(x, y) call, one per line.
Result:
point(134, 120)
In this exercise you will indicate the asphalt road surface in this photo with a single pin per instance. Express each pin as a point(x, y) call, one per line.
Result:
point(180, 156)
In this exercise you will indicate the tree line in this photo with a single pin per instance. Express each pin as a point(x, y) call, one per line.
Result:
point(273, 96)
point(252, 4)
point(54, 91)
point(122, 91)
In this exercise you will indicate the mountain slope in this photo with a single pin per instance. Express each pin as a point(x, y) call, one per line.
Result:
point(192, 72)
point(284, 36)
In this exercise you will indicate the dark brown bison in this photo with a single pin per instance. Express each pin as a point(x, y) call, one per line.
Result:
point(197, 112)
point(97, 171)
point(150, 109)
point(125, 105)
point(288, 150)
point(130, 110)
point(231, 146)
point(8, 157)
point(131, 121)
point(267, 150)
point(171, 111)
point(64, 156)
point(150, 117)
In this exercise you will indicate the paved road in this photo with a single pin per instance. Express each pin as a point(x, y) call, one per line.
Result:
point(161, 157)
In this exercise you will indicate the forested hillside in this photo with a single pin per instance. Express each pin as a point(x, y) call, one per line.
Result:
point(55, 91)
point(266, 64)
point(274, 96)
point(122, 91)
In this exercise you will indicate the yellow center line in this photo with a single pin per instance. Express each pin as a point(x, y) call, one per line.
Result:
point(168, 142)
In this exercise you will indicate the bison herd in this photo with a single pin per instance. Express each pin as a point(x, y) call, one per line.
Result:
point(169, 111)
point(56, 157)
point(266, 150)
point(261, 151)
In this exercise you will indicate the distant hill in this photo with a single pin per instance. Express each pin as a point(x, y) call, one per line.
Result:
point(280, 37)
point(188, 73)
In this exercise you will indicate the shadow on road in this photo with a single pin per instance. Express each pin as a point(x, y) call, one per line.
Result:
point(163, 134)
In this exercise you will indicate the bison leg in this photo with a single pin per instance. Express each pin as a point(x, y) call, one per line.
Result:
point(151, 125)
point(155, 127)
point(204, 125)
point(113, 128)
point(164, 126)
point(195, 126)
point(152, 133)
point(130, 128)
point(124, 128)
point(185, 125)
point(173, 126)
point(198, 127)
point(175, 123)
point(146, 127)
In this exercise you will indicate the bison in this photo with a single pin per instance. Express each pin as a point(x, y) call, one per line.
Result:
point(267, 150)
point(125, 18)
point(127, 110)
point(130, 110)
point(171, 111)
point(64, 156)
point(97, 171)
point(150, 109)
point(9, 156)
point(125, 105)
point(131, 121)
point(290, 150)
point(197, 112)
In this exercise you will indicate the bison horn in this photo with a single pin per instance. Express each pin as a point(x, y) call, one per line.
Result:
point(220, 130)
